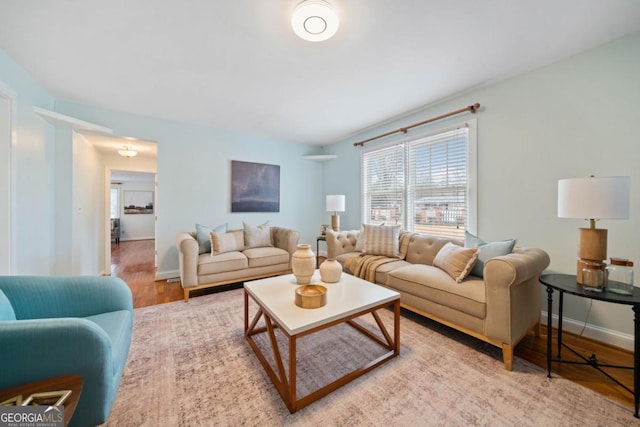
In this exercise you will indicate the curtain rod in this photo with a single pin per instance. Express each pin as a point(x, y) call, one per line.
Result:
point(471, 108)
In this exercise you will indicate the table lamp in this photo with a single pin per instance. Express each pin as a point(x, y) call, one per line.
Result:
point(593, 198)
point(335, 204)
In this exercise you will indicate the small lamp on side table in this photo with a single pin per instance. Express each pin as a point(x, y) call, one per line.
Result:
point(335, 204)
point(593, 198)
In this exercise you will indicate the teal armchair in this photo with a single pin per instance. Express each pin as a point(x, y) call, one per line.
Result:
point(52, 326)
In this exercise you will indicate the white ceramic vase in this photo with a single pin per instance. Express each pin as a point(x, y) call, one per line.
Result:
point(303, 263)
point(330, 271)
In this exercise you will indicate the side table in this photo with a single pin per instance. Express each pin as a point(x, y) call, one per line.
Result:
point(318, 240)
point(43, 393)
point(567, 283)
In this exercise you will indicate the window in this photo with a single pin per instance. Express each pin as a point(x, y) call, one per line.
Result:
point(115, 202)
point(426, 184)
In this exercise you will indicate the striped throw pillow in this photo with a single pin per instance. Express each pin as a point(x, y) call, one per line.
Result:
point(456, 260)
point(381, 240)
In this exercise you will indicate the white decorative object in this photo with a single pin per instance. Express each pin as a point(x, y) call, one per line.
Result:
point(303, 263)
point(330, 271)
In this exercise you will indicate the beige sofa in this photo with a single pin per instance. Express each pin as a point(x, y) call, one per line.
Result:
point(204, 270)
point(500, 308)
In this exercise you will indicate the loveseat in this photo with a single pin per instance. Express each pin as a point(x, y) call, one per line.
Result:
point(499, 302)
point(54, 326)
point(234, 255)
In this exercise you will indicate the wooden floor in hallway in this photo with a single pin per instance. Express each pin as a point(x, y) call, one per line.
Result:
point(133, 262)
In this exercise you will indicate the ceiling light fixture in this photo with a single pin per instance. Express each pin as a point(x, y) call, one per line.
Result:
point(127, 152)
point(315, 20)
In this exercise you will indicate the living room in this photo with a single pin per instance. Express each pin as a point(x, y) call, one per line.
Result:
point(574, 115)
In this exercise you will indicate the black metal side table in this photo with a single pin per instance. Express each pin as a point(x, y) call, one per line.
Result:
point(318, 240)
point(567, 283)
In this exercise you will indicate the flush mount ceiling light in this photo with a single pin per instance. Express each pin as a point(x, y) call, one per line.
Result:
point(127, 152)
point(315, 20)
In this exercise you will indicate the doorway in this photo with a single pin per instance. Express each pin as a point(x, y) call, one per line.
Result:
point(7, 180)
point(132, 208)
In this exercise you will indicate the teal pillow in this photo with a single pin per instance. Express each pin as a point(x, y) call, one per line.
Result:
point(486, 250)
point(203, 237)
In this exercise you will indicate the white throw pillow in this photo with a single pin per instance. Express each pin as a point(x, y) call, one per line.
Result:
point(233, 240)
point(257, 237)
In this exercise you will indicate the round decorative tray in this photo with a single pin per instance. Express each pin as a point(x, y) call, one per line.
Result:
point(311, 296)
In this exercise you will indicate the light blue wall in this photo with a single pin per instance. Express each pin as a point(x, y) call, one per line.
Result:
point(574, 118)
point(194, 176)
point(577, 117)
point(34, 175)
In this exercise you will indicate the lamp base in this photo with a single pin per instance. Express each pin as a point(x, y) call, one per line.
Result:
point(335, 222)
point(592, 244)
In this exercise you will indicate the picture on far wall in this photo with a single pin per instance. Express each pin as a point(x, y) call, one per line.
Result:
point(255, 187)
point(138, 202)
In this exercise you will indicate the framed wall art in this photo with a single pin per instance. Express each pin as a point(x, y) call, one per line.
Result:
point(255, 187)
point(138, 202)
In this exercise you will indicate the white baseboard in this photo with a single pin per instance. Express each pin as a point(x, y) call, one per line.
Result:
point(129, 239)
point(170, 274)
point(607, 336)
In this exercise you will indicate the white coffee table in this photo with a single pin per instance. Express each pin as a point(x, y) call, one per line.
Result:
point(346, 300)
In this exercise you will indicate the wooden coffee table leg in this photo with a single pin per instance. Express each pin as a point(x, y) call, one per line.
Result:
point(396, 327)
point(293, 399)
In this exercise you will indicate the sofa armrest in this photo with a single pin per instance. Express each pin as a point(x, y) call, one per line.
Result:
point(188, 259)
point(341, 242)
point(38, 297)
point(513, 293)
point(285, 238)
point(33, 350)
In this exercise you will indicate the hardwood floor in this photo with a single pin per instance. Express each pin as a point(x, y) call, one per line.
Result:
point(133, 261)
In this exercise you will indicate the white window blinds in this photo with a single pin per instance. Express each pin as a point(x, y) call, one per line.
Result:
point(422, 184)
point(437, 190)
point(383, 178)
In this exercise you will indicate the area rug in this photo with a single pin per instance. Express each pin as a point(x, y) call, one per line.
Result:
point(190, 365)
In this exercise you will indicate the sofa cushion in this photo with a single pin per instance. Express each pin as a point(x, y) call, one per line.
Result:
point(228, 261)
point(203, 237)
point(486, 251)
point(456, 261)
point(382, 273)
point(381, 240)
point(436, 285)
point(260, 257)
point(116, 325)
point(258, 236)
point(232, 240)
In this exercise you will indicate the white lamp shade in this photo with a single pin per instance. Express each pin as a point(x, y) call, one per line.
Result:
point(315, 20)
point(594, 197)
point(335, 203)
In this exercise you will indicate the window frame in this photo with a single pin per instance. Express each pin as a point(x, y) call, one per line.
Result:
point(405, 140)
point(118, 203)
